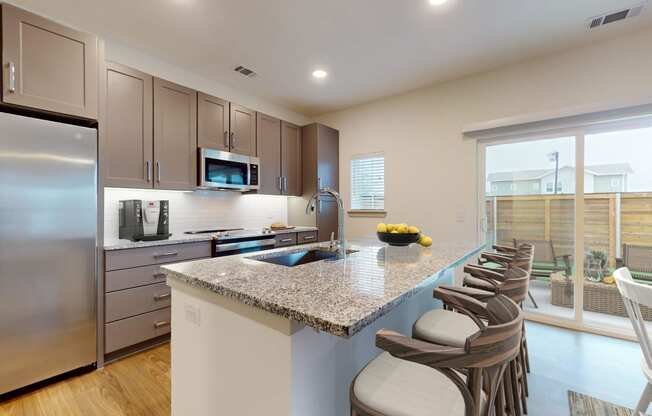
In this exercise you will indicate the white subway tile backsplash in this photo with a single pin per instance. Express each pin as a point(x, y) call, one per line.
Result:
point(200, 209)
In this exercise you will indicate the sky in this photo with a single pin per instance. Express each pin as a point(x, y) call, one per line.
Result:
point(628, 146)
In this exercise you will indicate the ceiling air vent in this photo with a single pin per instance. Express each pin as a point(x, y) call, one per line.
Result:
point(611, 17)
point(245, 71)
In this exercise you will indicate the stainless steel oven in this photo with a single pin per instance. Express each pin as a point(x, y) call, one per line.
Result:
point(224, 170)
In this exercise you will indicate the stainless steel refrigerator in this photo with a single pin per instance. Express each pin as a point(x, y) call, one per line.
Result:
point(48, 255)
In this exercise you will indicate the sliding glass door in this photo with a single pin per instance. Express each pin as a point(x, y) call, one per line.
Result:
point(530, 197)
point(617, 220)
point(584, 199)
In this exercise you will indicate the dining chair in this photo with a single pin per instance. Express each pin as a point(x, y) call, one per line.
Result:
point(634, 295)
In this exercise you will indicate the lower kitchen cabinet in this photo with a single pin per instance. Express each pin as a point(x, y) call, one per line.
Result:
point(293, 239)
point(136, 298)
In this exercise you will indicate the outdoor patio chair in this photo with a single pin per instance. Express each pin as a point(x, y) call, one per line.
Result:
point(634, 295)
point(546, 261)
point(638, 259)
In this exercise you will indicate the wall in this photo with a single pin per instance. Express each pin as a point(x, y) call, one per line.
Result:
point(431, 170)
point(200, 210)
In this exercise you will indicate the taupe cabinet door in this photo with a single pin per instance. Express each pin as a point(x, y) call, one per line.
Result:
point(175, 136)
point(268, 143)
point(328, 151)
point(243, 130)
point(128, 144)
point(212, 122)
point(48, 66)
point(291, 159)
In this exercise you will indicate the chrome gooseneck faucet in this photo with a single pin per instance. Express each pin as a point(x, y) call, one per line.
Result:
point(340, 212)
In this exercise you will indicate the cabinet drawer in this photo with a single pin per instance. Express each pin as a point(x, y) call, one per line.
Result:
point(284, 240)
point(130, 331)
point(307, 237)
point(135, 257)
point(128, 278)
point(130, 302)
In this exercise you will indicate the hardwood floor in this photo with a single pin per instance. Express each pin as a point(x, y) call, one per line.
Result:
point(137, 385)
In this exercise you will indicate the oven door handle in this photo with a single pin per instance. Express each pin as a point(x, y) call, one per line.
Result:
point(220, 248)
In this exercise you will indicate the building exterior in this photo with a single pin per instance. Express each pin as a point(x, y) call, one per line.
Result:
point(597, 179)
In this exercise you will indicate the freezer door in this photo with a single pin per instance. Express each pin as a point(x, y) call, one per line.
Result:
point(48, 233)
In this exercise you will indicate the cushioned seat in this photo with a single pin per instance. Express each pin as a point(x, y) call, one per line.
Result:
point(478, 283)
point(396, 387)
point(444, 327)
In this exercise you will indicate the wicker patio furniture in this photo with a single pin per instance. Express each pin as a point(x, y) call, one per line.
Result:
point(638, 259)
point(598, 297)
point(546, 260)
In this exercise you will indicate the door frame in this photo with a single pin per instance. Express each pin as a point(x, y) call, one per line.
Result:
point(579, 134)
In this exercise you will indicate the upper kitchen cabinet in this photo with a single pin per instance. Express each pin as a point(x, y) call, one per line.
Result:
point(127, 147)
point(291, 159)
point(175, 136)
point(243, 130)
point(212, 122)
point(48, 66)
point(268, 143)
point(321, 157)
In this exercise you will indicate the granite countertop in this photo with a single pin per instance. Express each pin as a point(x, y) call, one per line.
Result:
point(340, 297)
point(181, 238)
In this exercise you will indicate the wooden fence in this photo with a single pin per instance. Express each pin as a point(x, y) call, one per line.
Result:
point(610, 220)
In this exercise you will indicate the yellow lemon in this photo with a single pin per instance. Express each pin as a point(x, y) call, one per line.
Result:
point(402, 228)
point(394, 232)
point(390, 228)
point(425, 241)
point(413, 230)
point(381, 228)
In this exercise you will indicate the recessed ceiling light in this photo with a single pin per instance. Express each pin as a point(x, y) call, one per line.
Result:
point(437, 2)
point(319, 74)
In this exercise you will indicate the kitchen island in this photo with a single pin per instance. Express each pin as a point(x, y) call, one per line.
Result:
point(251, 337)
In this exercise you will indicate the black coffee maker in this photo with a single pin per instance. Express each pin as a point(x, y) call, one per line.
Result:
point(144, 220)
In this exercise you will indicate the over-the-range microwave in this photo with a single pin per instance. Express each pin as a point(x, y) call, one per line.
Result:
point(229, 171)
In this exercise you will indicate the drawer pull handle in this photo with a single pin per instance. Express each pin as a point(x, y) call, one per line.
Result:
point(309, 237)
point(286, 240)
point(170, 254)
point(162, 296)
point(159, 275)
point(161, 324)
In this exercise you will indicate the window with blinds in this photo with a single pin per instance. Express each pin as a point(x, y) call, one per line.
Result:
point(368, 182)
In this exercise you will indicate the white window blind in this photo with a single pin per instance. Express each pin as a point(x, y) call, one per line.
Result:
point(368, 182)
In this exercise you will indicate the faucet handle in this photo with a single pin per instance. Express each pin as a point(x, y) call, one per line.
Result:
point(332, 238)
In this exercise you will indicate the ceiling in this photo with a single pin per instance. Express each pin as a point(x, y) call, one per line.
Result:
point(370, 48)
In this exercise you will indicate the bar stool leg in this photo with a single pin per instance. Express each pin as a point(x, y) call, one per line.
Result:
point(518, 410)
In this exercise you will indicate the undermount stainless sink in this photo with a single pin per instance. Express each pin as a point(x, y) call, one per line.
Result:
point(298, 258)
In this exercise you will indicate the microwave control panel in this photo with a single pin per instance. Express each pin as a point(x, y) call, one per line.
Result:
point(253, 175)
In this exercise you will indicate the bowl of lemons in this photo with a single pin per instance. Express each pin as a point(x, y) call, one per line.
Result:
point(401, 235)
